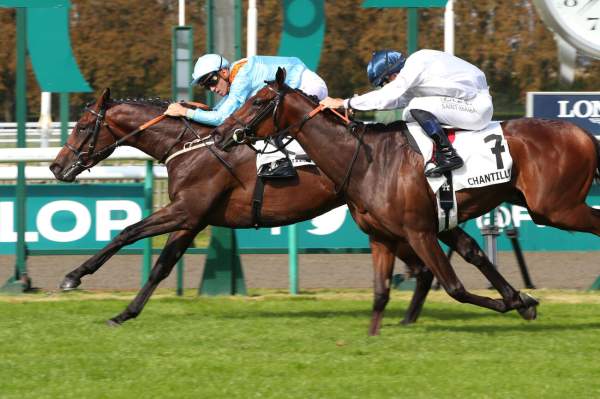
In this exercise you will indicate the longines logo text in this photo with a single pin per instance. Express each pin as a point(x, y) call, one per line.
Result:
point(579, 109)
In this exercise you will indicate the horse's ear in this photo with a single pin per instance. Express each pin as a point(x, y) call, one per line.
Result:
point(280, 76)
point(104, 97)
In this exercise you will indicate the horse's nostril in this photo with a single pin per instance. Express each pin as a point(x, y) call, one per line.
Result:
point(55, 169)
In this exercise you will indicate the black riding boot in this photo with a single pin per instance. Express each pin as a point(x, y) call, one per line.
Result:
point(280, 169)
point(446, 158)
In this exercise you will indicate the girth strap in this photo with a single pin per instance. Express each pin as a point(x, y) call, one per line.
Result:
point(257, 199)
point(447, 198)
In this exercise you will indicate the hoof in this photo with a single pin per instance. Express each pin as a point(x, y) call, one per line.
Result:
point(113, 322)
point(69, 284)
point(529, 312)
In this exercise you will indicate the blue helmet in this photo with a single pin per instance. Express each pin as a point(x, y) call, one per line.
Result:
point(384, 63)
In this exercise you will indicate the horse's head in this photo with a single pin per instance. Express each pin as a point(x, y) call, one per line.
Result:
point(261, 116)
point(90, 142)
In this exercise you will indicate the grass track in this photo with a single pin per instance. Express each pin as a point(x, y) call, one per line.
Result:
point(312, 346)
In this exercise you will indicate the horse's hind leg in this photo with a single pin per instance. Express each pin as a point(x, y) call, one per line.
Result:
point(175, 247)
point(427, 248)
point(383, 264)
point(580, 217)
point(165, 220)
point(470, 251)
point(424, 279)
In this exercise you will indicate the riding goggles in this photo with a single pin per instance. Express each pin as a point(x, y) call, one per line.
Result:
point(210, 80)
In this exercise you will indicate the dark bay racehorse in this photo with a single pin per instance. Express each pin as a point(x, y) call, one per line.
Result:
point(387, 193)
point(210, 187)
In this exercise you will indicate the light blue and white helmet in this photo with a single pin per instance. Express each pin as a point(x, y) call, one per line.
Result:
point(206, 65)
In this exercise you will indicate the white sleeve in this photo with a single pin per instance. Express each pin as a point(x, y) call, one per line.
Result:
point(390, 96)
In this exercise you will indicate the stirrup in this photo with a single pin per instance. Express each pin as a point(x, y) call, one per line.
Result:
point(437, 171)
point(280, 169)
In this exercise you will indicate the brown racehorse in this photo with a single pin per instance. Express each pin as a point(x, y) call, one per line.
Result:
point(210, 187)
point(554, 164)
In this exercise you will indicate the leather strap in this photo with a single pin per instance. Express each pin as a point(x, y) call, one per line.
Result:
point(257, 199)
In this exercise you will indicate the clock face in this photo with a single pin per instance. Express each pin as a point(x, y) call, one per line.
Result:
point(578, 22)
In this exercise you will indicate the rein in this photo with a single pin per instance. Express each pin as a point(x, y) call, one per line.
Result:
point(245, 134)
point(92, 138)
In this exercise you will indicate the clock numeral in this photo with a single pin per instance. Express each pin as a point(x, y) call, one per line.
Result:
point(594, 22)
point(570, 3)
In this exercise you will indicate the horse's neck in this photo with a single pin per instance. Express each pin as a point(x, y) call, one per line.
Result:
point(331, 146)
point(158, 139)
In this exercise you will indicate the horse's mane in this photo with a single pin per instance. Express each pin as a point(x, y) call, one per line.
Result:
point(395, 126)
point(152, 102)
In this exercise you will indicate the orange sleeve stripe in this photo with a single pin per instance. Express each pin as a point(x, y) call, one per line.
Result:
point(236, 68)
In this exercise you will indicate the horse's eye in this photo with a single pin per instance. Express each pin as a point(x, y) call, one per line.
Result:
point(258, 101)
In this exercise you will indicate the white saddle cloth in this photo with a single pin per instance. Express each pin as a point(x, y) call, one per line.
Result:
point(294, 150)
point(486, 156)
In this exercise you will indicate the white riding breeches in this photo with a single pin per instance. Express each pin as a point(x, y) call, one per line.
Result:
point(473, 114)
point(312, 84)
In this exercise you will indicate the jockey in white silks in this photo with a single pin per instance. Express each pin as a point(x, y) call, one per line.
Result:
point(240, 80)
point(433, 87)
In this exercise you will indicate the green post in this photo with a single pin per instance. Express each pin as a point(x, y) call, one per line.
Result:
point(223, 269)
point(596, 285)
point(148, 191)
point(182, 44)
point(293, 258)
point(64, 117)
point(413, 30)
point(210, 47)
point(180, 268)
point(20, 281)
point(237, 45)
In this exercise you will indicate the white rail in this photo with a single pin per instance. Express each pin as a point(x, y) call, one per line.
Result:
point(8, 132)
point(96, 173)
point(12, 155)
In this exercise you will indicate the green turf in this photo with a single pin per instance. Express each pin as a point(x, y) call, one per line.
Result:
point(275, 346)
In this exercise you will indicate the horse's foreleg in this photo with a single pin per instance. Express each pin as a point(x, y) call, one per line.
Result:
point(175, 247)
point(383, 266)
point(165, 220)
point(427, 248)
point(468, 248)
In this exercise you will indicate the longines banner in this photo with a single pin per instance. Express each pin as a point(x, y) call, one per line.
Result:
point(77, 216)
point(87, 216)
point(336, 229)
point(580, 108)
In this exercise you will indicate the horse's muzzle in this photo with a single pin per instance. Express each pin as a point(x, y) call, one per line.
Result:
point(59, 174)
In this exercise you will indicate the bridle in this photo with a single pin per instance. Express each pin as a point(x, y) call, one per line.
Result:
point(91, 138)
point(92, 155)
point(246, 134)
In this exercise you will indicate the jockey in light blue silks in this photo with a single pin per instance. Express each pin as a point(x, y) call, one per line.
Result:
point(240, 80)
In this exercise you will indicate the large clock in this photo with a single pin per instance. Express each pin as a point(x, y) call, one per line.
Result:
point(575, 21)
